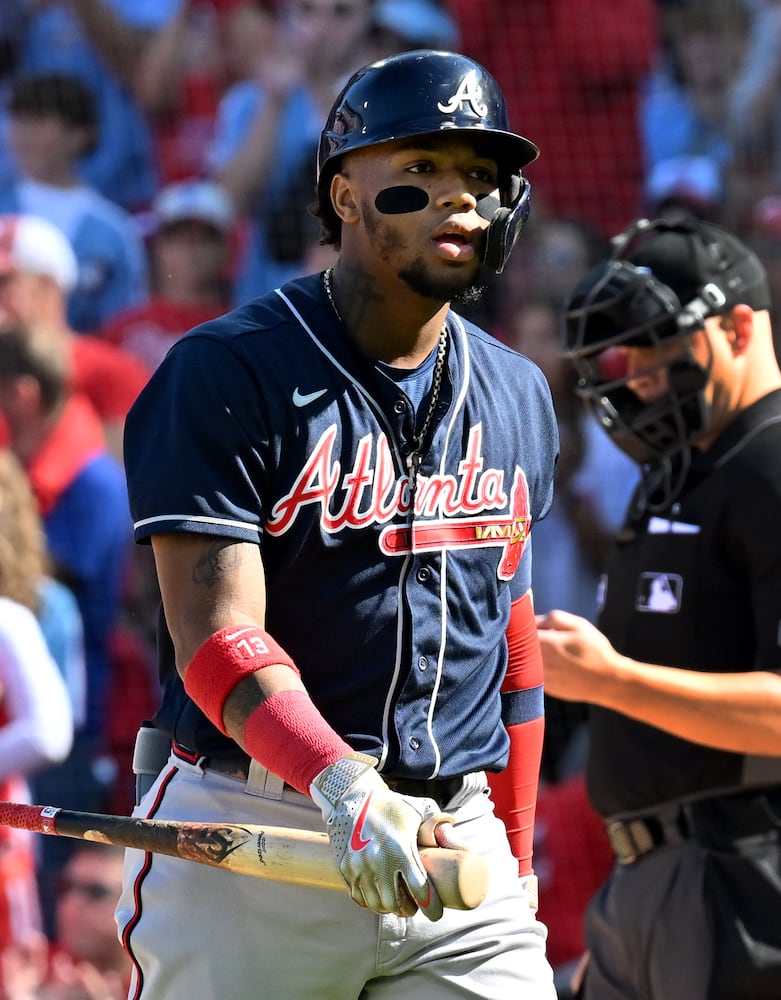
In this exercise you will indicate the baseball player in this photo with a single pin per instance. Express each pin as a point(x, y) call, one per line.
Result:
point(338, 480)
point(672, 340)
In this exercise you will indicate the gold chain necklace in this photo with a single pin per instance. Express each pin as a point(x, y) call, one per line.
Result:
point(417, 454)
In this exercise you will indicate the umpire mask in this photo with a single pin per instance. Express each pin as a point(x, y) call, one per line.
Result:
point(662, 281)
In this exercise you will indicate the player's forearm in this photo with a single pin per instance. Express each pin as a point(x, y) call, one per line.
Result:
point(252, 692)
point(238, 674)
point(740, 712)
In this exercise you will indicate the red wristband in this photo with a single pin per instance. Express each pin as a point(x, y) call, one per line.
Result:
point(224, 660)
point(290, 737)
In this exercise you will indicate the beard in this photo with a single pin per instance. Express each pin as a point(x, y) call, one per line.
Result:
point(453, 287)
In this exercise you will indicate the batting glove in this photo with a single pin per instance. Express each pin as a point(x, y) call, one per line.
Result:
point(373, 832)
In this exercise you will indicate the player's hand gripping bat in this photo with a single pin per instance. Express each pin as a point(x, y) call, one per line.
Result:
point(272, 852)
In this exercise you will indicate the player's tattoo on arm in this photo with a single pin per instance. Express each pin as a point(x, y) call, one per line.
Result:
point(219, 558)
point(241, 703)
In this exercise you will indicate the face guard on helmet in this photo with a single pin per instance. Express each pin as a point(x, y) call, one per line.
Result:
point(621, 302)
point(422, 93)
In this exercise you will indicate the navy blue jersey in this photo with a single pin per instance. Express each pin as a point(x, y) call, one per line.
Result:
point(268, 426)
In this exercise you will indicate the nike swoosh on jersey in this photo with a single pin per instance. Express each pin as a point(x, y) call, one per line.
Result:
point(303, 399)
point(357, 841)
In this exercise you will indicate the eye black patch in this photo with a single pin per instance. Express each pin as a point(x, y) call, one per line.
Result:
point(401, 200)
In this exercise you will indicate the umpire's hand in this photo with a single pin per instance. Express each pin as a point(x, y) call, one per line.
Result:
point(579, 660)
point(374, 835)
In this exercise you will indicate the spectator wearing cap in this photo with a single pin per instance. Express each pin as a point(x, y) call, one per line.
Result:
point(38, 269)
point(191, 242)
point(53, 126)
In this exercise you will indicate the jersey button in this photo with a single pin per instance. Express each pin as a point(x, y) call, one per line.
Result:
point(423, 574)
point(399, 407)
point(414, 742)
point(422, 662)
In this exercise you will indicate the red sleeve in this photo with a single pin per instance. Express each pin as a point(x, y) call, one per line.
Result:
point(514, 790)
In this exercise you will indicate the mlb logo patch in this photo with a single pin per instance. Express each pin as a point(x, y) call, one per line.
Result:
point(659, 593)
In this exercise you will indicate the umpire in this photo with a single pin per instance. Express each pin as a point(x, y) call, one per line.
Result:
point(671, 337)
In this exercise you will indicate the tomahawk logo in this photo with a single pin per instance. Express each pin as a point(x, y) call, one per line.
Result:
point(509, 532)
point(469, 93)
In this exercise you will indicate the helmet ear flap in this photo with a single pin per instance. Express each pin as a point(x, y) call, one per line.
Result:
point(507, 223)
point(514, 188)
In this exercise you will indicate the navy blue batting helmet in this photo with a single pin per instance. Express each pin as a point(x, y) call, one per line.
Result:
point(421, 93)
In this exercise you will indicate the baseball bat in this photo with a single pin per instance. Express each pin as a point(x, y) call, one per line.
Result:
point(278, 853)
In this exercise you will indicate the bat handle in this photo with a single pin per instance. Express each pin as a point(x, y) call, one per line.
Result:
point(460, 877)
point(36, 819)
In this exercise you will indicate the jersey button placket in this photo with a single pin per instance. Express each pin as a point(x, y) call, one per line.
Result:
point(415, 746)
point(404, 414)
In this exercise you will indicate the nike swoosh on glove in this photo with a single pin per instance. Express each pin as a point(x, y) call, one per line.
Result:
point(373, 832)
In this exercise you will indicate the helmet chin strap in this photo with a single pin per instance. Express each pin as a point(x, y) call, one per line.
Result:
point(507, 223)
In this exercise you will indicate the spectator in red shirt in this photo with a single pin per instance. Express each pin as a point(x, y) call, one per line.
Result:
point(37, 270)
point(190, 249)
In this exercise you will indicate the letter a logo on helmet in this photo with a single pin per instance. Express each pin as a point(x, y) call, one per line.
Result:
point(422, 93)
point(468, 92)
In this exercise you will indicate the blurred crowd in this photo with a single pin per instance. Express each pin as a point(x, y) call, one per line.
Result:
point(157, 162)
